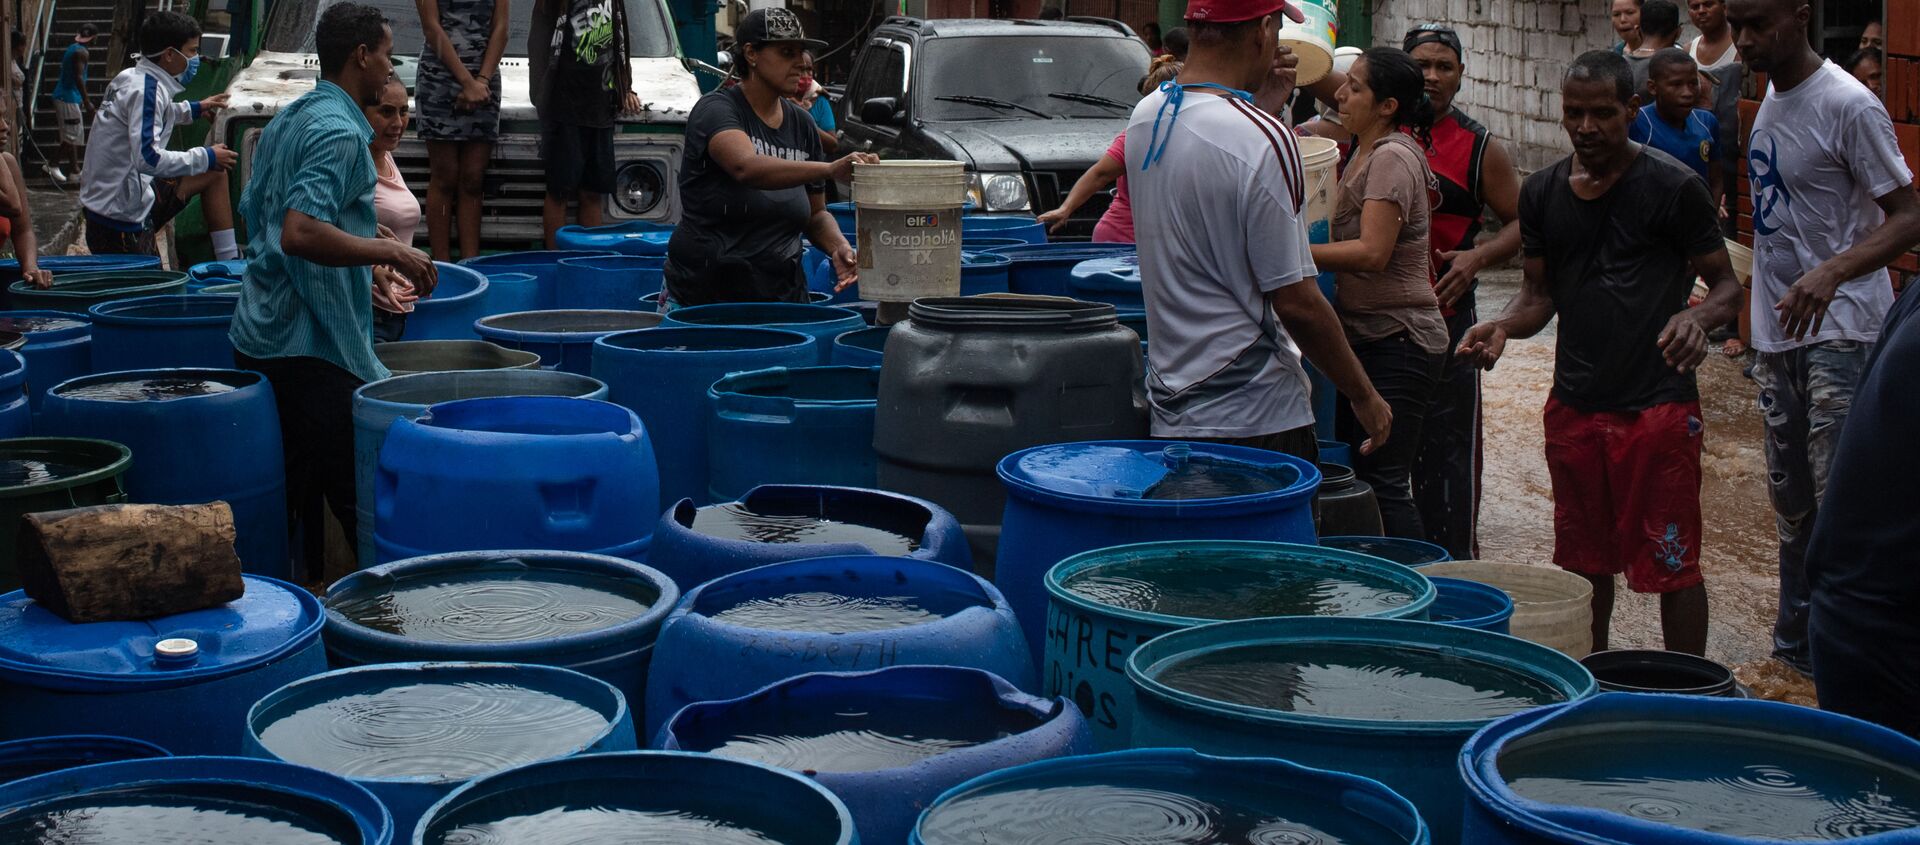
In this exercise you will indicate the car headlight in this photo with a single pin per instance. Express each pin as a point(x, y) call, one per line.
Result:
point(1004, 192)
point(638, 188)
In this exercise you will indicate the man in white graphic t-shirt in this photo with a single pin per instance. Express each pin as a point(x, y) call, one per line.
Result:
point(1833, 205)
point(1218, 188)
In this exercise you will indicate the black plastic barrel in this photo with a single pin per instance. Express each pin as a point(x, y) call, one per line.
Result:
point(1650, 670)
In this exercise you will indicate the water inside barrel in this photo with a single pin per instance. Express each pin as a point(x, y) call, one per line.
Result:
point(449, 731)
point(1228, 585)
point(1202, 478)
point(184, 814)
point(735, 521)
point(827, 612)
point(147, 389)
point(596, 813)
point(865, 739)
point(1358, 681)
point(496, 606)
point(27, 325)
point(1219, 814)
point(1734, 783)
point(21, 471)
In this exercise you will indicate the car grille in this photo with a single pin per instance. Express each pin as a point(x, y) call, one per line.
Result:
point(516, 186)
point(1050, 187)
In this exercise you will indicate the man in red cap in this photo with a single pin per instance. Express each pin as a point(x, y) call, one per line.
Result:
point(1218, 191)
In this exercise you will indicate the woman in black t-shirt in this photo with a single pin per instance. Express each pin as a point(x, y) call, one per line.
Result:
point(753, 180)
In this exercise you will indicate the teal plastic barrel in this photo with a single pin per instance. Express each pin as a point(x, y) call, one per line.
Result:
point(861, 347)
point(1018, 227)
point(1169, 796)
point(51, 474)
point(1470, 604)
point(458, 299)
point(25, 758)
point(1401, 550)
point(1104, 603)
point(1388, 699)
point(162, 331)
point(791, 425)
point(77, 292)
point(511, 293)
point(413, 732)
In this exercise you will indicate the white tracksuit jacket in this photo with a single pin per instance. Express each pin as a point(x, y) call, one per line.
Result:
point(127, 148)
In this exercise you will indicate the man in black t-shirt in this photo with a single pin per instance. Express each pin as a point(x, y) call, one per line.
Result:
point(1613, 237)
point(586, 77)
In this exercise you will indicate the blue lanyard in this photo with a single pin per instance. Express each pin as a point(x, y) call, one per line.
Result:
point(1176, 94)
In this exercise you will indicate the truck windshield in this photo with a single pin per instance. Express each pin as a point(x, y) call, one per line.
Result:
point(290, 27)
point(958, 78)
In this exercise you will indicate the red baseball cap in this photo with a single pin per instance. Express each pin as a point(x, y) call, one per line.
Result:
point(1235, 11)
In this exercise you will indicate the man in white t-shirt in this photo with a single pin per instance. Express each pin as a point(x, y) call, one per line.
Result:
point(1218, 189)
point(1833, 205)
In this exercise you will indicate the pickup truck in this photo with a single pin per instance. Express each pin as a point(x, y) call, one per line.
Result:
point(1028, 106)
point(647, 146)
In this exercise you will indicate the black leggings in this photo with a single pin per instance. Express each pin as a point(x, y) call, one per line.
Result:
point(315, 401)
point(1406, 376)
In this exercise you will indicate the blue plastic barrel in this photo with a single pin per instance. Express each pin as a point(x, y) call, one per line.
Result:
point(640, 796)
point(1114, 280)
point(1470, 604)
point(693, 558)
point(822, 322)
point(59, 347)
point(378, 404)
point(76, 292)
point(791, 425)
point(207, 800)
point(1123, 596)
point(821, 278)
point(713, 647)
point(521, 472)
point(1851, 780)
point(181, 330)
point(459, 298)
point(1045, 267)
point(183, 682)
point(1136, 319)
point(25, 758)
point(1156, 795)
point(1401, 550)
point(986, 724)
point(511, 293)
point(562, 339)
point(663, 375)
point(542, 265)
point(206, 271)
point(1015, 226)
point(985, 243)
point(594, 614)
point(1335, 452)
point(60, 265)
point(610, 282)
point(861, 347)
point(983, 272)
point(1075, 497)
point(197, 436)
point(16, 413)
point(1385, 736)
point(844, 215)
point(634, 237)
point(413, 732)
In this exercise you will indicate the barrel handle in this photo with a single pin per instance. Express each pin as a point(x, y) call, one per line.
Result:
point(741, 405)
point(569, 504)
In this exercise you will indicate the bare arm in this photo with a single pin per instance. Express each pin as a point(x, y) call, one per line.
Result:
point(1683, 343)
point(824, 232)
point(1526, 314)
point(1500, 187)
point(438, 41)
point(1310, 321)
point(1103, 173)
point(1804, 308)
point(496, 39)
point(26, 246)
point(325, 244)
point(733, 151)
point(1371, 252)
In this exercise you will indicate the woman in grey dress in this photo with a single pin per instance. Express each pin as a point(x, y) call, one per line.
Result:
point(457, 112)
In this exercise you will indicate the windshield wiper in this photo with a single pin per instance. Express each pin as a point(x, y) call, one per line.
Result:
point(1095, 99)
point(991, 102)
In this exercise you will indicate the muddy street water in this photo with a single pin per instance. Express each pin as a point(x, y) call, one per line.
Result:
point(1738, 554)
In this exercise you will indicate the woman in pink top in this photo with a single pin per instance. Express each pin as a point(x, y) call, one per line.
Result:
point(394, 206)
point(1116, 225)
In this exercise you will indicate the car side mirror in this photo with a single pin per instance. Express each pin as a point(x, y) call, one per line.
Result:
point(879, 111)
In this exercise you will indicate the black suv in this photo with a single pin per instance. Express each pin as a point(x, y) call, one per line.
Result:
point(1027, 105)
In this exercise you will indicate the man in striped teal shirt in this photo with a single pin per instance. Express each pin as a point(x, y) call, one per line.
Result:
point(305, 318)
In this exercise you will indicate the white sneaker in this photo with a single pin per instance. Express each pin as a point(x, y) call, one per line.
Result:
point(57, 175)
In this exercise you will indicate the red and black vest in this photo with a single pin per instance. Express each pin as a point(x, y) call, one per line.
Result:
point(1455, 153)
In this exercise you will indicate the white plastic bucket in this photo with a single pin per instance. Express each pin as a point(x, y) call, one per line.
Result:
point(1551, 606)
point(1313, 41)
point(1319, 157)
point(907, 224)
point(1742, 259)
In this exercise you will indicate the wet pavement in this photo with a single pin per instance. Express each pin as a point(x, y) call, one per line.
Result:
point(1738, 555)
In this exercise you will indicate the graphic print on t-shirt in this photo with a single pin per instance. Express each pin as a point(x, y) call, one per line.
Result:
point(763, 148)
point(1770, 196)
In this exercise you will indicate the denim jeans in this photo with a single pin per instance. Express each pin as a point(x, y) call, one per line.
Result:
point(1406, 376)
point(1446, 473)
point(1805, 395)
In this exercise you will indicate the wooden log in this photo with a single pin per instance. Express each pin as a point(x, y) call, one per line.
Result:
point(125, 562)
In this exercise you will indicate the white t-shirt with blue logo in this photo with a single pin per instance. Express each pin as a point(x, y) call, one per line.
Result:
point(1819, 155)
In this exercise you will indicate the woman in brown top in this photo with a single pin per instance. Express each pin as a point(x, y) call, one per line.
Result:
point(1384, 265)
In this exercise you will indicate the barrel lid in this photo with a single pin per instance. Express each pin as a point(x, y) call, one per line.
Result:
point(234, 269)
point(269, 620)
point(1118, 272)
point(1128, 470)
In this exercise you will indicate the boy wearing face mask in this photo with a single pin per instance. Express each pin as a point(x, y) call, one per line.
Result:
point(132, 184)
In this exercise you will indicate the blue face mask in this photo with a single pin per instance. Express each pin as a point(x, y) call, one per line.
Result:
point(193, 67)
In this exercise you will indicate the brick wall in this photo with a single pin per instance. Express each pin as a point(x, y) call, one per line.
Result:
point(1517, 51)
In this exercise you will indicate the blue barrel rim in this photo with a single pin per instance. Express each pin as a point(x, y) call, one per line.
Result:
point(615, 262)
point(176, 280)
point(526, 258)
point(1127, 758)
point(82, 317)
point(116, 312)
point(1142, 665)
point(733, 387)
point(1303, 487)
point(555, 678)
point(991, 599)
point(486, 328)
point(81, 680)
point(982, 258)
point(461, 412)
point(344, 630)
point(510, 276)
point(13, 374)
point(1042, 708)
point(1403, 542)
point(1478, 760)
point(803, 314)
point(55, 743)
point(610, 764)
point(367, 813)
point(848, 337)
point(1057, 574)
point(219, 268)
point(686, 336)
point(224, 376)
point(480, 283)
point(683, 512)
point(1062, 253)
point(1443, 585)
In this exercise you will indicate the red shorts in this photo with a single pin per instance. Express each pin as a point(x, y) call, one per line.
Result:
point(1626, 493)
